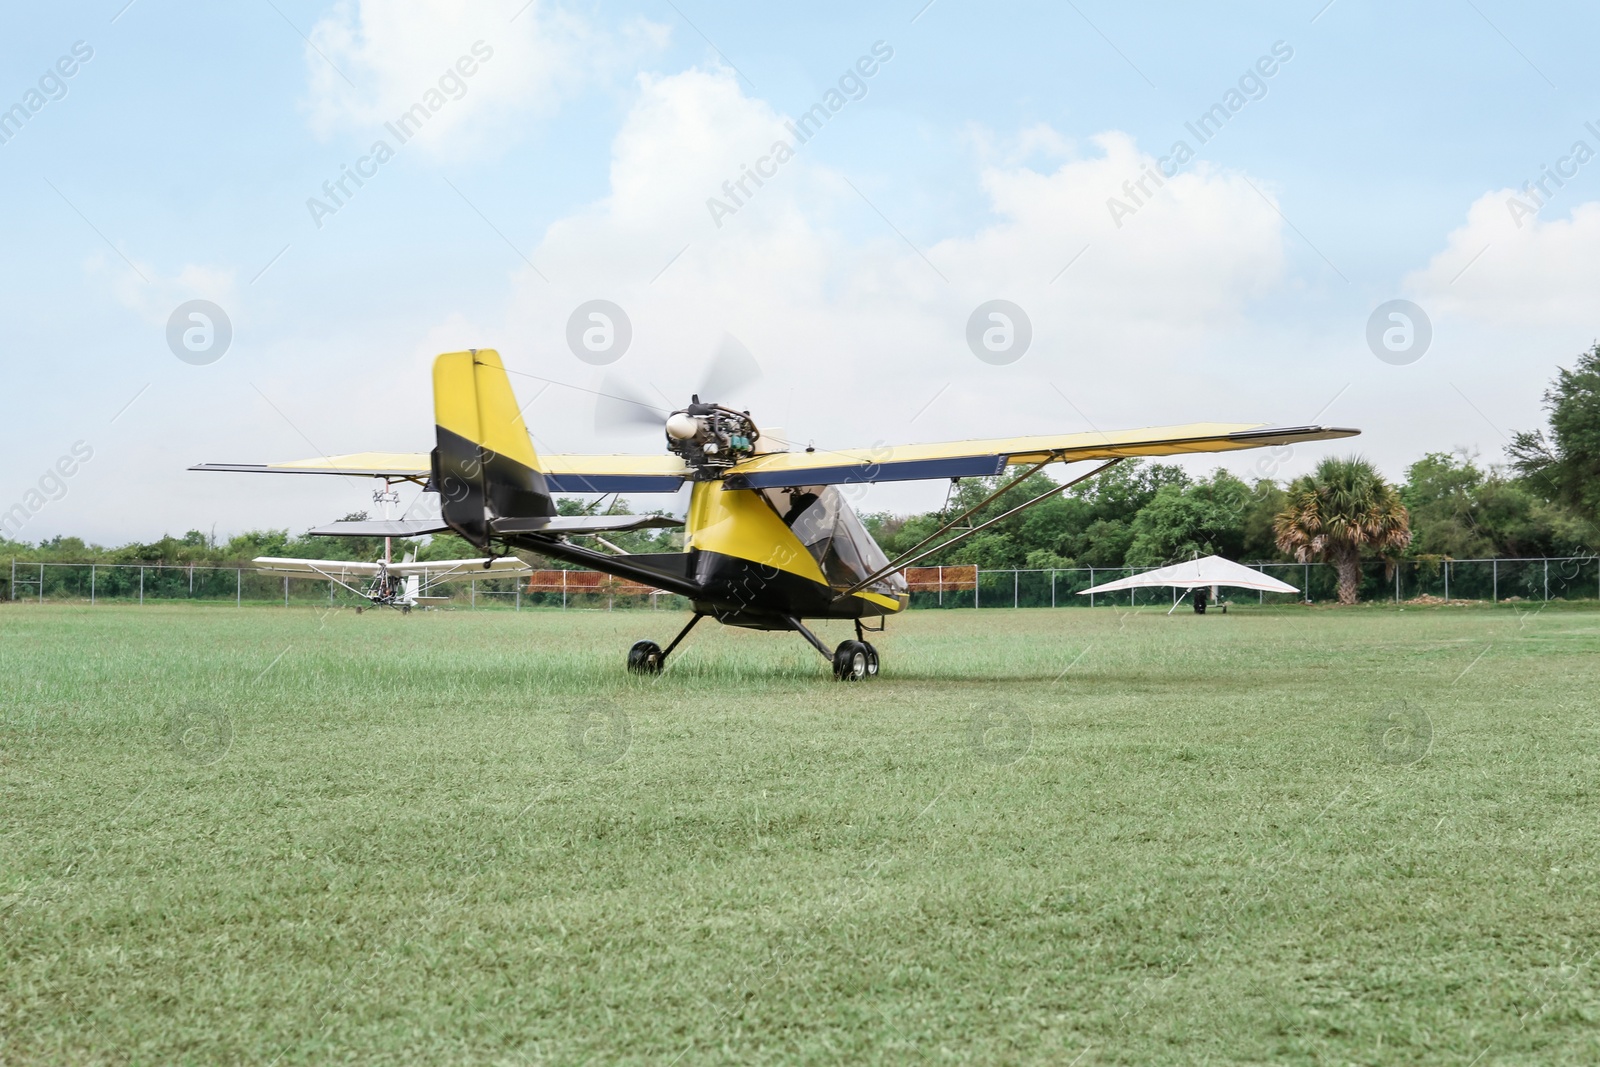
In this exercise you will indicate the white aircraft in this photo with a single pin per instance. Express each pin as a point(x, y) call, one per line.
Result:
point(389, 584)
point(386, 583)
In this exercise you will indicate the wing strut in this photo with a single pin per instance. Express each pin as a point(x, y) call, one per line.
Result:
point(901, 561)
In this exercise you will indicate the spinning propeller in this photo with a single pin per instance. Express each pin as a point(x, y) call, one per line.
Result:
point(622, 407)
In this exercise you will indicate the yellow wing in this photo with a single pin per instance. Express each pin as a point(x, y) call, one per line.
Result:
point(974, 459)
point(664, 473)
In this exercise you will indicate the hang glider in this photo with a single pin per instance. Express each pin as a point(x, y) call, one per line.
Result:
point(1198, 574)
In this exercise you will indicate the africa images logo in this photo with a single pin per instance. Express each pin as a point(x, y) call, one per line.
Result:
point(52, 85)
point(451, 85)
point(852, 85)
point(1251, 86)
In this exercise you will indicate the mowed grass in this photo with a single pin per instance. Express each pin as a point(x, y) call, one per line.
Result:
point(282, 836)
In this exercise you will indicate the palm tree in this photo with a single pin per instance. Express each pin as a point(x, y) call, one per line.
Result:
point(1341, 511)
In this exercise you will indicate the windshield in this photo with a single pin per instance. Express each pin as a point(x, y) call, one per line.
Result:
point(831, 532)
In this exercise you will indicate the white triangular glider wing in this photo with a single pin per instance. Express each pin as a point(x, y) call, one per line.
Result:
point(1197, 573)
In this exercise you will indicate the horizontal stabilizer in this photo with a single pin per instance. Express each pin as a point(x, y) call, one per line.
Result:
point(583, 524)
point(409, 465)
point(381, 528)
point(562, 473)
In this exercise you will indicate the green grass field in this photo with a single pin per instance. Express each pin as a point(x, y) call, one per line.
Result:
point(277, 836)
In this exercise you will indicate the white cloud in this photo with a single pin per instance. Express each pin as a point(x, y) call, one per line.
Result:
point(154, 295)
point(1541, 273)
point(856, 330)
point(398, 53)
point(861, 339)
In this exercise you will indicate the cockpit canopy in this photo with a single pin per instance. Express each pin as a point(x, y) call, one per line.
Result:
point(829, 528)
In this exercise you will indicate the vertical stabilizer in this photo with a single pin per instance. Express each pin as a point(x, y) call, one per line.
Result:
point(484, 466)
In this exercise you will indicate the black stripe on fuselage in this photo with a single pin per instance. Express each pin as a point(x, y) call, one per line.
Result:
point(736, 591)
point(741, 592)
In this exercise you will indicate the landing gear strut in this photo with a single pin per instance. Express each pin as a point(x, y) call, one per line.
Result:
point(872, 653)
point(853, 661)
point(647, 657)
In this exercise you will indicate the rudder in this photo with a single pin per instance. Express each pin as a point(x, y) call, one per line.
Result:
point(484, 465)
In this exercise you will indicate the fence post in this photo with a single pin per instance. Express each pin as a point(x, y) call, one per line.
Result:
point(141, 587)
point(1016, 585)
point(238, 587)
point(13, 577)
point(941, 585)
point(474, 601)
point(1547, 579)
point(286, 592)
point(141, 599)
point(519, 596)
point(563, 590)
point(977, 580)
point(91, 584)
point(1494, 569)
point(1052, 587)
point(1091, 586)
point(1447, 581)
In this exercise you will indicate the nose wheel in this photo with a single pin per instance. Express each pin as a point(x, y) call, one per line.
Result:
point(855, 661)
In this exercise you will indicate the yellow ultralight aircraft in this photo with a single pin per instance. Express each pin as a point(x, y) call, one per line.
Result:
point(770, 540)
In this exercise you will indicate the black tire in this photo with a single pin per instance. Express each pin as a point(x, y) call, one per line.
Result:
point(850, 661)
point(872, 659)
point(645, 657)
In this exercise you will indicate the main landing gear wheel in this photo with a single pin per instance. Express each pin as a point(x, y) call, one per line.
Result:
point(872, 659)
point(851, 661)
point(646, 657)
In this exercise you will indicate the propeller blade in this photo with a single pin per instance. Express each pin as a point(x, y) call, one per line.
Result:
point(620, 408)
point(731, 369)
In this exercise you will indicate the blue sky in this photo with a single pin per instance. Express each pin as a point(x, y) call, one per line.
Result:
point(577, 162)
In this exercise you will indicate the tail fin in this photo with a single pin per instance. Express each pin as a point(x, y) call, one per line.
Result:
point(484, 467)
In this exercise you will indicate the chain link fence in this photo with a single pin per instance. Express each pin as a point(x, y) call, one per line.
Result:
point(1493, 580)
